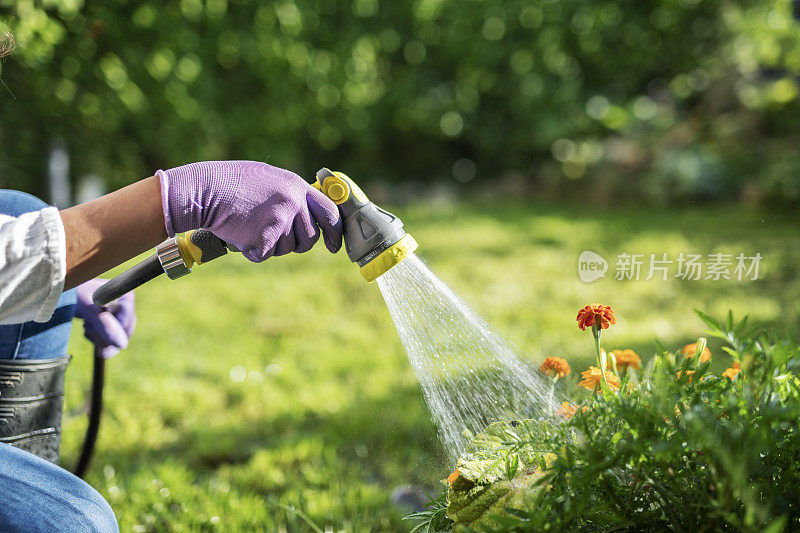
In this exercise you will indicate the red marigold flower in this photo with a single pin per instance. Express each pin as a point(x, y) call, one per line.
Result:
point(600, 314)
point(625, 359)
point(690, 351)
point(555, 365)
point(593, 377)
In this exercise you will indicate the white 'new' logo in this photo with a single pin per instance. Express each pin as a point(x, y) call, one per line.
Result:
point(591, 266)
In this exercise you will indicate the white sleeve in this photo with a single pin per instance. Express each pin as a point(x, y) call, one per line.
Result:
point(33, 264)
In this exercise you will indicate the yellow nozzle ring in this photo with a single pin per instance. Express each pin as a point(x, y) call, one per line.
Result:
point(389, 258)
point(190, 252)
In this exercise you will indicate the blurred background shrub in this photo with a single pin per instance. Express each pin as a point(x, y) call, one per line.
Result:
point(659, 101)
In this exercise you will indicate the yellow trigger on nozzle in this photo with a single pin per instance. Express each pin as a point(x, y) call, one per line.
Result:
point(337, 192)
point(389, 258)
point(339, 187)
point(336, 188)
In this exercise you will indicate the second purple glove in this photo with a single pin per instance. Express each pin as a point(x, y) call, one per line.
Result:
point(260, 209)
point(109, 329)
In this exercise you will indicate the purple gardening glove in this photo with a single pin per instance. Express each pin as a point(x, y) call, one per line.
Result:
point(108, 328)
point(260, 209)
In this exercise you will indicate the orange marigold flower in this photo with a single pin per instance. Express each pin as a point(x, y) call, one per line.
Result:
point(567, 410)
point(690, 349)
point(625, 359)
point(555, 365)
point(452, 477)
point(593, 377)
point(688, 373)
point(733, 371)
point(602, 314)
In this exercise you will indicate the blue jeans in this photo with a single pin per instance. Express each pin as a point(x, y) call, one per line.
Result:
point(36, 495)
point(39, 497)
point(34, 340)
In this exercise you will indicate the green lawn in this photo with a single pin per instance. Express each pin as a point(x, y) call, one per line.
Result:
point(250, 387)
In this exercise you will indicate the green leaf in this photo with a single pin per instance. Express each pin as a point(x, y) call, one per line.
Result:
point(433, 518)
point(709, 320)
point(776, 526)
point(741, 327)
point(497, 470)
point(700, 346)
point(733, 353)
point(481, 505)
point(648, 369)
point(483, 460)
point(608, 394)
point(512, 466)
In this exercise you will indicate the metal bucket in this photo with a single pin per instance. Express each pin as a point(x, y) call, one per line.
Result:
point(31, 401)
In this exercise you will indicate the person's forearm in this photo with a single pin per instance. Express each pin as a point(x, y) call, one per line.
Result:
point(102, 233)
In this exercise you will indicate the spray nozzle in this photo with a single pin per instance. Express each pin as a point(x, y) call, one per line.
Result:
point(373, 237)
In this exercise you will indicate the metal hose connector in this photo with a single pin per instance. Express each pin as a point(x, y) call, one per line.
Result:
point(169, 255)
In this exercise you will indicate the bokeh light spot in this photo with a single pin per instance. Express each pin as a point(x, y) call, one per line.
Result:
point(414, 52)
point(464, 170)
point(451, 124)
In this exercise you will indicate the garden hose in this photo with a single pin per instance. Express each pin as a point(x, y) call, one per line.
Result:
point(374, 239)
point(95, 410)
point(173, 257)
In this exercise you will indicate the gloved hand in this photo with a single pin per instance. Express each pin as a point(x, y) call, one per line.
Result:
point(260, 209)
point(109, 330)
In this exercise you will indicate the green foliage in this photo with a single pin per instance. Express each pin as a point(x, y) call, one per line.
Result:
point(686, 450)
point(433, 519)
point(479, 463)
point(687, 99)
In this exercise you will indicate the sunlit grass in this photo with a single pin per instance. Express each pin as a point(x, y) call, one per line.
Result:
point(251, 387)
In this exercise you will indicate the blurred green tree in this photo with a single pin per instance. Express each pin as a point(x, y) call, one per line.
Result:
point(661, 100)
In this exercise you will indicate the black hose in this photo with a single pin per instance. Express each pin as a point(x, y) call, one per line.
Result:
point(135, 276)
point(95, 410)
point(127, 281)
